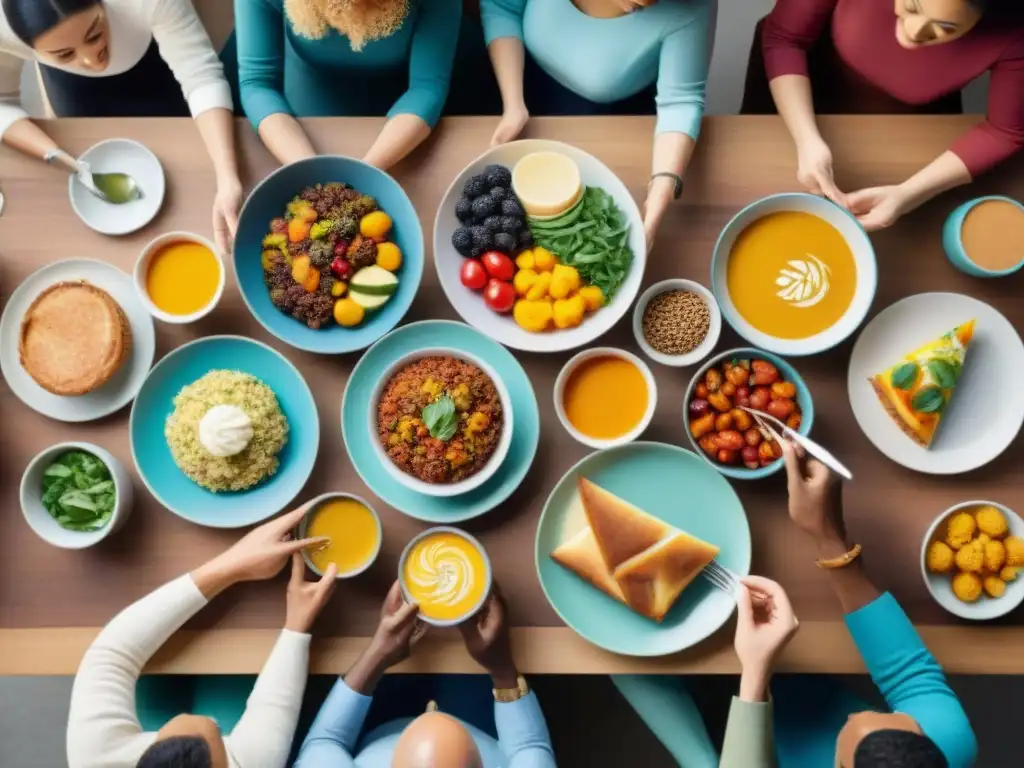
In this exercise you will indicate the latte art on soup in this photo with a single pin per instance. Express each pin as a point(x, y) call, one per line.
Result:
point(447, 575)
point(803, 282)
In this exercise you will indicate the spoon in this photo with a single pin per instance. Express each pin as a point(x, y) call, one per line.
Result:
point(114, 188)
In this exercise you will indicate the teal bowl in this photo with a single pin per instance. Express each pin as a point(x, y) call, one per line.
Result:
point(789, 373)
point(268, 201)
point(672, 484)
point(953, 243)
point(155, 402)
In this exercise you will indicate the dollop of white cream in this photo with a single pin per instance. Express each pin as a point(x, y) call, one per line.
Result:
point(225, 430)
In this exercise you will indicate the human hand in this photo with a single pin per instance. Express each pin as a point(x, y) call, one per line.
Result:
point(487, 640)
point(305, 599)
point(814, 170)
point(878, 207)
point(765, 622)
point(815, 494)
point(399, 629)
point(512, 122)
point(226, 205)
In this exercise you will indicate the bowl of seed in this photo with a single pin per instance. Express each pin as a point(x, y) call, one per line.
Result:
point(677, 322)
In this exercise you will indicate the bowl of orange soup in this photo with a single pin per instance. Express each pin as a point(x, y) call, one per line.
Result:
point(605, 397)
point(353, 531)
point(179, 277)
point(985, 237)
point(447, 573)
point(794, 274)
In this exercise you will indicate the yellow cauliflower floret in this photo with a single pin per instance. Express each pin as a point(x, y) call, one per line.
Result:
point(477, 422)
point(1009, 573)
point(967, 587)
point(543, 259)
point(539, 289)
point(991, 522)
point(461, 397)
point(961, 529)
point(592, 297)
point(940, 557)
point(525, 260)
point(995, 555)
point(994, 586)
point(524, 280)
point(970, 558)
point(432, 388)
point(1014, 550)
point(564, 281)
point(533, 316)
point(569, 312)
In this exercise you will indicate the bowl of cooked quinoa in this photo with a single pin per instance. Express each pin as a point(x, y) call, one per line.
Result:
point(677, 322)
point(440, 421)
point(224, 432)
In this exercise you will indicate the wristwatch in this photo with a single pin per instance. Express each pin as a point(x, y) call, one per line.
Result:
point(508, 695)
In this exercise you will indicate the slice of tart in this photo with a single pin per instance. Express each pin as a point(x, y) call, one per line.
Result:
point(916, 390)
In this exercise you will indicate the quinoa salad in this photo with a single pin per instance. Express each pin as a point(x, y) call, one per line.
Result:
point(257, 461)
point(440, 419)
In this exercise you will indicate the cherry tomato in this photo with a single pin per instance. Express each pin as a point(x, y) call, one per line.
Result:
point(473, 274)
point(499, 295)
point(499, 265)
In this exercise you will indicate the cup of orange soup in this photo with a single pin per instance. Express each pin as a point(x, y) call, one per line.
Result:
point(179, 277)
point(605, 397)
point(447, 572)
point(353, 529)
point(985, 237)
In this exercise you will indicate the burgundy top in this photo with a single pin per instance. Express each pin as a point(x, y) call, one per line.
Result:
point(863, 33)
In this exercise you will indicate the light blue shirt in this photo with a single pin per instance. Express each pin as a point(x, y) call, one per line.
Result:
point(333, 740)
point(606, 60)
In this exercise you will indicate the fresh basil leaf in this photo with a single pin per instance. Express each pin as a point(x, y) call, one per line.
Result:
point(928, 400)
point(904, 376)
point(945, 372)
point(56, 470)
point(441, 419)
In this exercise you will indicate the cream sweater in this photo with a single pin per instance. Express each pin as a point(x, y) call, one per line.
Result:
point(103, 729)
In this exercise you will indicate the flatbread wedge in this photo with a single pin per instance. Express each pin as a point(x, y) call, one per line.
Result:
point(621, 529)
point(653, 580)
point(581, 555)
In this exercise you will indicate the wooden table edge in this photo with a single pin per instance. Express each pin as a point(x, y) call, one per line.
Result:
point(819, 647)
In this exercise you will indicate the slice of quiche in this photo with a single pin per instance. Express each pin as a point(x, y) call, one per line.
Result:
point(916, 390)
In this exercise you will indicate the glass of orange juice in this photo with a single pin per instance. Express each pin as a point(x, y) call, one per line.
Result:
point(353, 530)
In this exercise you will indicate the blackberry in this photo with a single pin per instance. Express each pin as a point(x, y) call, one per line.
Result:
point(493, 223)
point(484, 206)
point(498, 176)
point(482, 238)
point(464, 210)
point(525, 238)
point(511, 224)
point(499, 193)
point(475, 186)
point(462, 241)
point(505, 242)
point(511, 207)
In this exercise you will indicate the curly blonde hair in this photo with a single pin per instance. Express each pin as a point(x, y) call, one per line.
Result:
point(361, 21)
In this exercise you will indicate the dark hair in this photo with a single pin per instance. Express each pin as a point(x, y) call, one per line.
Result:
point(177, 752)
point(1006, 11)
point(31, 18)
point(898, 749)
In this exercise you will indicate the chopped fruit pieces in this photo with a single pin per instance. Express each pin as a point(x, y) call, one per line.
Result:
point(338, 289)
point(300, 269)
point(348, 313)
point(533, 316)
point(389, 256)
point(298, 230)
point(569, 312)
point(375, 225)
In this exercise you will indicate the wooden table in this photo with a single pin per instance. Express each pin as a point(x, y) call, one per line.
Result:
point(52, 602)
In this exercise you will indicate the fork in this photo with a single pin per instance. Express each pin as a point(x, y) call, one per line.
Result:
point(818, 451)
point(721, 578)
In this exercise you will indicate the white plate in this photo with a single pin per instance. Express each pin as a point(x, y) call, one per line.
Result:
point(984, 415)
point(503, 328)
point(124, 156)
point(117, 392)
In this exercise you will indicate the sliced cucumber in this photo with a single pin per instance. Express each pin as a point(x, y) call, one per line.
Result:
point(372, 286)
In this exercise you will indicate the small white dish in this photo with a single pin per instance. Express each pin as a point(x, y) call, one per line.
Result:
point(590, 354)
point(984, 416)
point(314, 507)
point(437, 489)
point(40, 521)
point(142, 269)
point(699, 352)
point(119, 156)
point(940, 585)
point(125, 384)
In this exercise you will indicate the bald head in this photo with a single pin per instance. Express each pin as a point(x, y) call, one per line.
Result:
point(435, 740)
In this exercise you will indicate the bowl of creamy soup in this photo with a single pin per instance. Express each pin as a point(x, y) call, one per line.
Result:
point(353, 532)
point(447, 573)
point(180, 277)
point(985, 237)
point(794, 274)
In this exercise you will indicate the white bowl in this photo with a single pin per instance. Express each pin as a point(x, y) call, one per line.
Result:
point(123, 156)
point(439, 489)
point(573, 364)
point(503, 328)
point(860, 246)
point(699, 352)
point(940, 585)
point(142, 268)
point(46, 527)
point(314, 507)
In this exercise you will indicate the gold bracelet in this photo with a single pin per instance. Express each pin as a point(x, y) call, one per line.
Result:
point(840, 562)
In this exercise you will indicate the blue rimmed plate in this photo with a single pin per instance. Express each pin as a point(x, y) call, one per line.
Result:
point(676, 486)
point(155, 402)
point(359, 395)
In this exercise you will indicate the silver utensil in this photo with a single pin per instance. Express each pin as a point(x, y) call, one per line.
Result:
point(766, 420)
point(114, 188)
point(721, 578)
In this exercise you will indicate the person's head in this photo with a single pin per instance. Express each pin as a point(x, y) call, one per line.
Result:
point(361, 21)
point(885, 740)
point(933, 22)
point(186, 741)
point(70, 33)
point(435, 740)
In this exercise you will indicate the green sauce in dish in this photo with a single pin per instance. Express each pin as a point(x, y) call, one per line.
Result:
point(78, 491)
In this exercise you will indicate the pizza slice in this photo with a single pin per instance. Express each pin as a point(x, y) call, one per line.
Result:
point(916, 390)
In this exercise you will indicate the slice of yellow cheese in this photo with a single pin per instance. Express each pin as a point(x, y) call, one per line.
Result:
point(546, 183)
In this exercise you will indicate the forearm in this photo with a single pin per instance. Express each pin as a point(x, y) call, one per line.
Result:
point(754, 684)
point(508, 57)
point(217, 128)
point(748, 741)
point(369, 668)
point(25, 136)
point(672, 153)
point(793, 99)
point(284, 137)
point(399, 136)
point(944, 173)
point(851, 584)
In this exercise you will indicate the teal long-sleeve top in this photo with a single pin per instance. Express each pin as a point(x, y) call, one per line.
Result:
point(606, 60)
point(412, 67)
